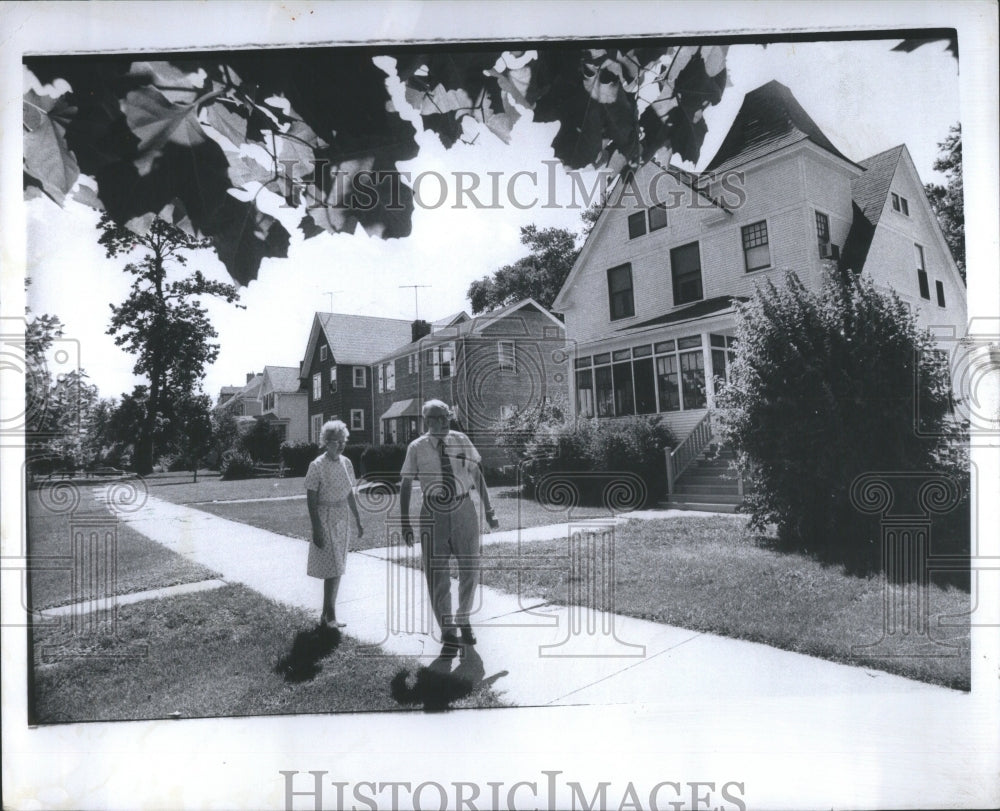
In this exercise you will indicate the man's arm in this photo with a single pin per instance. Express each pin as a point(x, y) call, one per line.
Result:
point(405, 486)
point(484, 495)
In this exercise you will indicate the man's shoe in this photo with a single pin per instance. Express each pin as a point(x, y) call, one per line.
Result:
point(468, 637)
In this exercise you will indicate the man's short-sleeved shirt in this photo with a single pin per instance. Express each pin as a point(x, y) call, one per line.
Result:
point(424, 463)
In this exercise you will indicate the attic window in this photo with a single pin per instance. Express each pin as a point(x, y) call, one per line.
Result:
point(900, 204)
point(658, 216)
point(940, 293)
point(322, 352)
point(636, 224)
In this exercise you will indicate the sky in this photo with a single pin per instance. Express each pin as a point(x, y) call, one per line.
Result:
point(865, 97)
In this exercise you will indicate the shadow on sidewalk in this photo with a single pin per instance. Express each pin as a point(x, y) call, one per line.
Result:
point(301, 663)
point(437, 686)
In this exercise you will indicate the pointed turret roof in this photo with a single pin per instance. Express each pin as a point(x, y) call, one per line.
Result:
point(770, 119)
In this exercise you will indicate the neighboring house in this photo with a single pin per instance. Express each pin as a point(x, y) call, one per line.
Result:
point(242, 402)
point(226, 393)
point(649, 303)
point(284, 403)
point(336, 369)
point(485, 367)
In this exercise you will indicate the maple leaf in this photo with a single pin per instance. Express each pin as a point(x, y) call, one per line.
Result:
point(156, 121)
point(47, 158)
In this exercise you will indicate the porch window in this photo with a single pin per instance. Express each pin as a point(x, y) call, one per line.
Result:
point(620, 292)
point(604, 392)
point(624, 394)
point(645, 386)
point(685, 265)
point(756, 251)
point(680, 374)
point(666, 382)
point(585, 393)
point(693, 380)
point(723, 356)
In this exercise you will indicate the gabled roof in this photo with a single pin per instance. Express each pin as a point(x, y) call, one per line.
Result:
point(248, 392)
point(449, 321)
point(283, 378)
point(770, 119)
point(470, 326)
point(869, 190)
point(357, 339)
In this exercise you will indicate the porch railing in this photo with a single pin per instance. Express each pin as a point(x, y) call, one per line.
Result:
point(680, 458)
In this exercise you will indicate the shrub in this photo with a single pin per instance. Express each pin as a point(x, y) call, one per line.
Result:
point(297, 456)
point(236, 465)
point(355, 452)
point(617, 463)
point(383, 462)
point(825, 387)
point(262, 442)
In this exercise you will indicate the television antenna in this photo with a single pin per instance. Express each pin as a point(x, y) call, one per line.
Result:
point(416, 306)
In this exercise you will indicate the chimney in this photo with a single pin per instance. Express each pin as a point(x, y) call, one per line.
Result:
point(250, 376)
point(418, 329)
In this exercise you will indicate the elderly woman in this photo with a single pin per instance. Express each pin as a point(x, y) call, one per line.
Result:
point(330, 497)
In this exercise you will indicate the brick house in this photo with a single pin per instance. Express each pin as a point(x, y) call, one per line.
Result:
point(336, 369)
point(484, 367)
point(649, 303)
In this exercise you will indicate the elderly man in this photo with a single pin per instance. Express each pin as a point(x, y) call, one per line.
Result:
point(447, 465)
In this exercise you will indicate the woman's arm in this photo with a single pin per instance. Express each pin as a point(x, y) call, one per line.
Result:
point(352, 502)
point(312, 502)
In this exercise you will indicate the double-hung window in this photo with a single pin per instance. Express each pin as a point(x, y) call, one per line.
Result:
point(925, 290)
point(756, 251)
point(620, 292)
point(685, 267)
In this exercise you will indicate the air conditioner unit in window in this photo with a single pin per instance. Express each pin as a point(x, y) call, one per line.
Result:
point(827, 250)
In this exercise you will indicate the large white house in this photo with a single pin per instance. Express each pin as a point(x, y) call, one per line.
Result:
point(649, 304)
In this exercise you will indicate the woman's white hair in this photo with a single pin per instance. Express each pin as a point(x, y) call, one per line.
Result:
point(337, 427)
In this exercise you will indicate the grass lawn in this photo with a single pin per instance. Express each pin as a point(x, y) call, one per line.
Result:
point(139, 564)
point(710, 574)
point(289, 517)
point(226, 652)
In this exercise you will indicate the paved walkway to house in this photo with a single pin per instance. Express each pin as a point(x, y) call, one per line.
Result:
point(772, 718)
point(548, 654)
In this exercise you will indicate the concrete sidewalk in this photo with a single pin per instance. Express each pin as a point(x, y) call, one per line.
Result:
point(537, 653)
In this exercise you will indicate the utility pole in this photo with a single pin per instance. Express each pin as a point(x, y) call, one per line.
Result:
point(416, 307)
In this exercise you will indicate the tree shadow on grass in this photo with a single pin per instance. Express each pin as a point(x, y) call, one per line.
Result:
point(436, 687)
point(302, 662)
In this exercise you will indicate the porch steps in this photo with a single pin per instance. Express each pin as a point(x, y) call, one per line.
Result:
point(708, 484)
